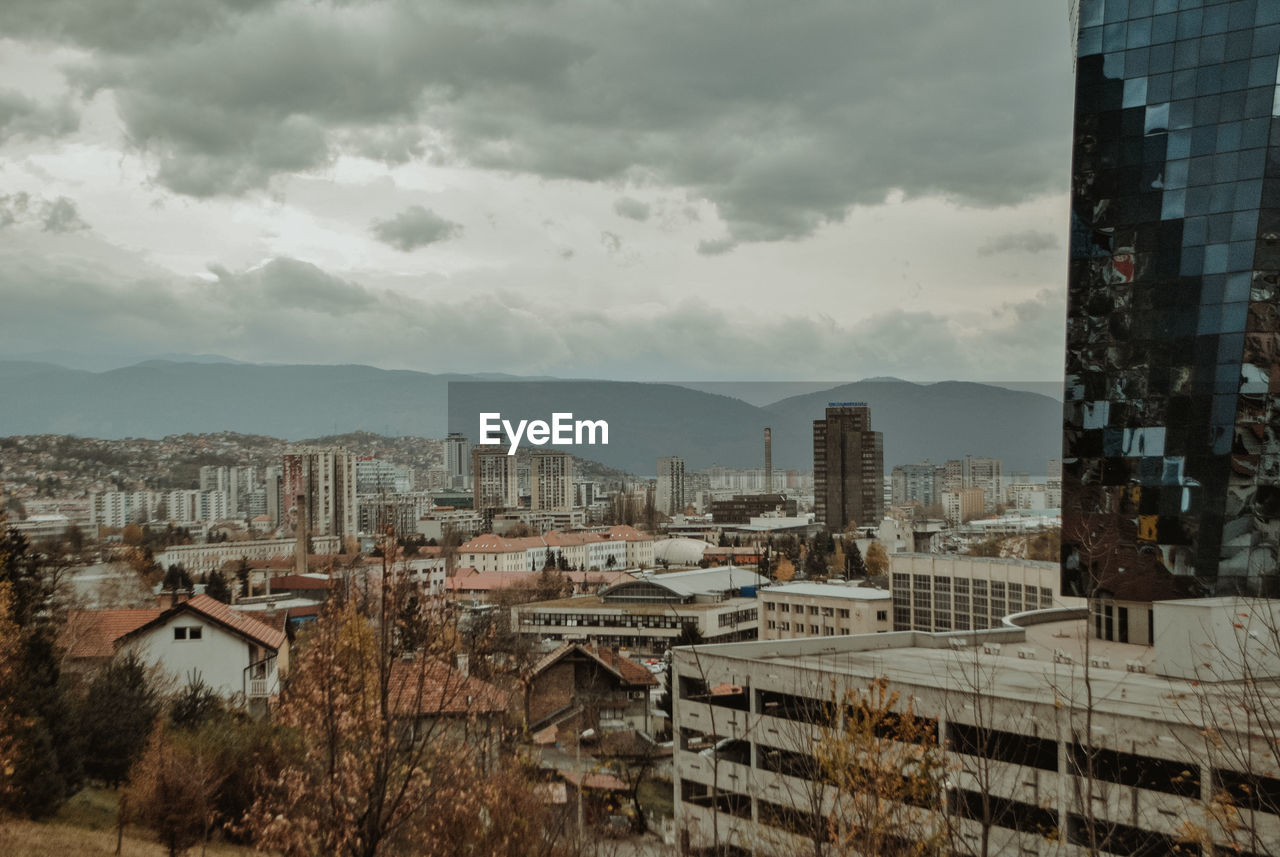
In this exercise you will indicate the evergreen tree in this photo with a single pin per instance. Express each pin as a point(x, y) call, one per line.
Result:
point(856, 566)
point(177, 578)
point(45, 753)
point(217, 587)
point(116, 718)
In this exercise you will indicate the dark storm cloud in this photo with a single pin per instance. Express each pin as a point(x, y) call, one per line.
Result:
point(284, 312)
point(291, 284)
point(60, 215)
point(1030, 241)
point(783, 115)
point(413, 228)
point(632, 209)
point(21, 116)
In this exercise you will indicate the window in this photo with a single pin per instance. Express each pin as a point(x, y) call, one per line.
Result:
point(813, 611)
point(784, 607)
point(828, 611)
point(179, 633)
point(844, 613)
point(882, 615)
point(188, 632)
point(768, 605)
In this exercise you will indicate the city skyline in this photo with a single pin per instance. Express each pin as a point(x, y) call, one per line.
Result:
point(587, 189)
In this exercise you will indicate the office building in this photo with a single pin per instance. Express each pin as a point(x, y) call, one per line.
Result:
point(1171, 463)
point(320, 484)
point(550, 480)
point(848, 468)
point(669, 498)
point(945, 592)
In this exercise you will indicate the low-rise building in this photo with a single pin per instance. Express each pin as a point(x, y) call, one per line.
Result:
point(647, 614)
point(808, 609)
point(588, 687)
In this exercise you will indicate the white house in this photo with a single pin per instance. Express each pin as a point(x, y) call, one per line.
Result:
point(233, 653)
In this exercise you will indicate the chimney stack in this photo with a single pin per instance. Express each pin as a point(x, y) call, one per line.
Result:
point(768, 460)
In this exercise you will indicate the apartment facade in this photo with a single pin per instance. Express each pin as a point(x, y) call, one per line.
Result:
point(805, 609)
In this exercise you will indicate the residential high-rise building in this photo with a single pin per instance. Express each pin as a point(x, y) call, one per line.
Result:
point(1171, 462)
point(985, 473)
point(551, 480)
point(917, 483)
point(848, 468)
point(321, 482)
point(669, 498)
point(494, 484)
point(457, 460)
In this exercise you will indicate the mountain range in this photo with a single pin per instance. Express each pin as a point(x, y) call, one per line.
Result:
point(156, 398)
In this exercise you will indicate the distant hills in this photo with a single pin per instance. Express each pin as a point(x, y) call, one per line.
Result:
point(157, 398)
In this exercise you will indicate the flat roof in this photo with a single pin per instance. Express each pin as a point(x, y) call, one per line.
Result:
point(827, 590)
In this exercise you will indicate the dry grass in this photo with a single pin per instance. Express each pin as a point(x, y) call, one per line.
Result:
point(86, 825)
point(34, 839)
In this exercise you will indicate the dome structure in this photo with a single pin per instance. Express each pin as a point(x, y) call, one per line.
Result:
point(679, 551)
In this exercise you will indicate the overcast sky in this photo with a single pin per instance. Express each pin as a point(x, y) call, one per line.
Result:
point(696, 189)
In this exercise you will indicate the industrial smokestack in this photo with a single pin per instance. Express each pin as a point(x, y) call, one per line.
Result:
point(768, 460)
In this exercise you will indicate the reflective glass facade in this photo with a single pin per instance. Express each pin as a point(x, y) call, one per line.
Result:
point(1171, 464)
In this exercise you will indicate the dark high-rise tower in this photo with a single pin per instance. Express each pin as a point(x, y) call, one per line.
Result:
point(848, 468)
point(1171, 463)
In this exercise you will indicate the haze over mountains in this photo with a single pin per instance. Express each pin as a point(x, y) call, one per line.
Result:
point(157, 398)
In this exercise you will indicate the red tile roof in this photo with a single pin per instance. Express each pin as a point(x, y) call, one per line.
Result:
point(233, 620)
point(626, 669)
point(424, 687)
point(599, 782)
point(93, 633)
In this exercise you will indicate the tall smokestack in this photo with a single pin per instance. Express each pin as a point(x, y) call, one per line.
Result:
point(304, 536)
point(768, 460)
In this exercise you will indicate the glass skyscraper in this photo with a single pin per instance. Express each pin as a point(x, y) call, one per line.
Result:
point(1171, 463)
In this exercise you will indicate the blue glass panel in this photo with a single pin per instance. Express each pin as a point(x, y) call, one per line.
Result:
point(1139, 33)
point(1268, 13)
point(1090, 13)
point(1172, 205)
point(1215, 20)
point(1210, 319)
point(1163, 28)
point(1240, 257)
point(1237, 288)
point(1215, 258)
point(1234, 317)
point(1244, 227)
point(1194, 230)
point(1090, 42)
point(1186, 53)
point(1113, 37)
point(1116, 10)
point(1135, 92)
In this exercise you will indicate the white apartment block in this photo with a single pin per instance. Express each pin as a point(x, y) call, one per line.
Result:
point(326, 478)
point(198, 559)
point(118, 509)
point(805, 609)
point(550, 481)
point(943, 592)
point(669, 497)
